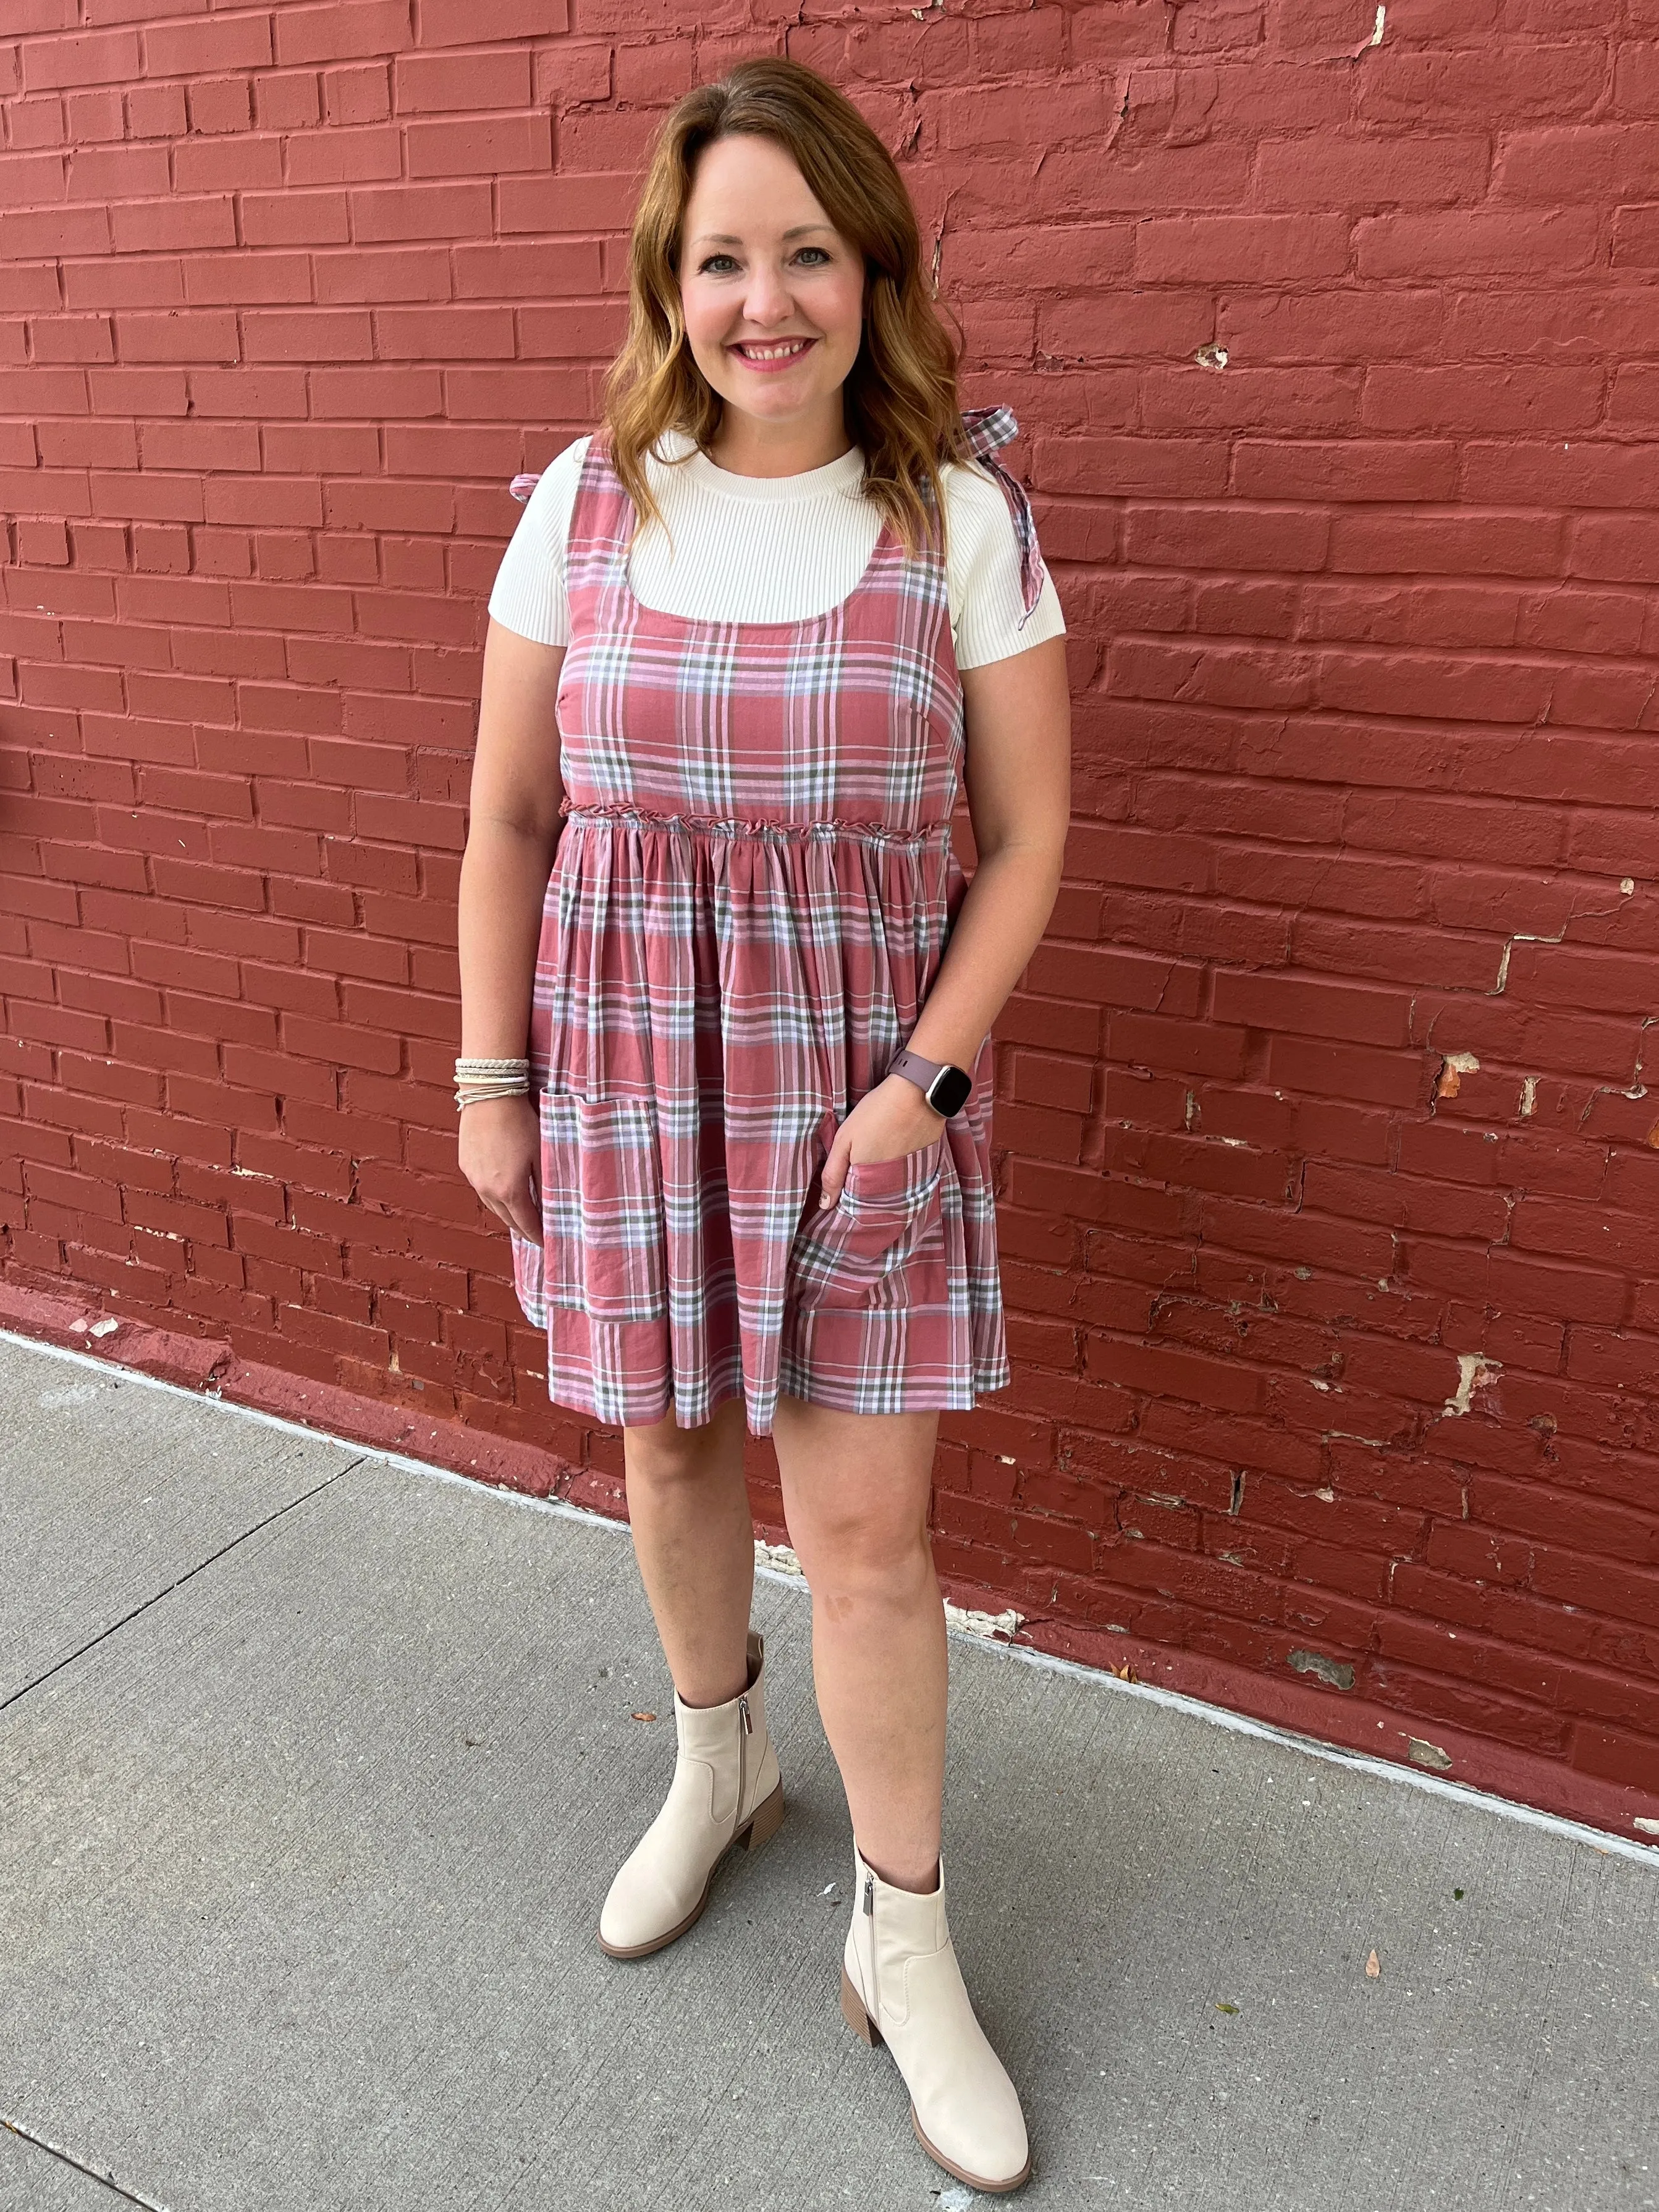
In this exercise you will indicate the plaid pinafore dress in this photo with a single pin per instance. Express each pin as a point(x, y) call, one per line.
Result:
point(753, 888)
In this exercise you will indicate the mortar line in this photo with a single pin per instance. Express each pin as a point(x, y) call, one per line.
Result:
point(1482, 1801)
point(92, 2173)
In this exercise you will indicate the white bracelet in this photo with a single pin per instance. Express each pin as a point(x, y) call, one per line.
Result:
point(471, 1092)
point(478, 1078)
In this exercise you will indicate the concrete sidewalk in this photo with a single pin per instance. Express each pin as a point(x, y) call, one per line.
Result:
point(315, 1767)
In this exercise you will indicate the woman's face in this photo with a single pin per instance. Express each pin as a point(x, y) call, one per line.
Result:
point(773, 296)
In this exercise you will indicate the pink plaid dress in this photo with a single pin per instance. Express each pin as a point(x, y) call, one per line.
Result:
point(752, 891)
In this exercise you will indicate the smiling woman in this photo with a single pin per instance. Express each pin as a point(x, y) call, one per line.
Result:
point(772, 213)
point(729, 1084)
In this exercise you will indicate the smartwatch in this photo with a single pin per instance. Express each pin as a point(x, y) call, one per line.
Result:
point(944, 1088)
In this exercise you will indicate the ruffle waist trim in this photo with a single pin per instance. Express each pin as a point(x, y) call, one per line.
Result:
point(869, 830)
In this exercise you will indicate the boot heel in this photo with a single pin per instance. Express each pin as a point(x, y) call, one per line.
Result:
point(858, 2019)
point(765, 1820)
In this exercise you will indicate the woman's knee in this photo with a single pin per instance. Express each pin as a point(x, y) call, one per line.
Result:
point(854, 1567)
point(666, 1456)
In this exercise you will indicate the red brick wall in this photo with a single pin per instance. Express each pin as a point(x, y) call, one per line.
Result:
point(1328, 1166)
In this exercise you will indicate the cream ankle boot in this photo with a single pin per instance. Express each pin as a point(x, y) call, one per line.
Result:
point(901, 1985)
point(725, 1786)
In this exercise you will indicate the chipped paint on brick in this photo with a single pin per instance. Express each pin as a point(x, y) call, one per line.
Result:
point(1474, 1373)
point(1338, 1673)
point(1454, 1066)
point(1426, 1755)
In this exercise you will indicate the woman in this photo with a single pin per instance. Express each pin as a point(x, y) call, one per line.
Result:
point(734, 673)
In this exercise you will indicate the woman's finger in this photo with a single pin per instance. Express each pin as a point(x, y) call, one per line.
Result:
point(520, 1210)
point(518, 1214)
point(833, 1173)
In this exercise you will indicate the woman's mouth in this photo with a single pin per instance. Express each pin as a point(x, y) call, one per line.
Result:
point(774, 354)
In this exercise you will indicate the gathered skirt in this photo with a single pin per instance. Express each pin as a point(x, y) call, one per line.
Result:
point(710, 1002)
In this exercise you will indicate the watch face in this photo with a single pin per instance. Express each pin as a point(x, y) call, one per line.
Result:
point(949, 1089)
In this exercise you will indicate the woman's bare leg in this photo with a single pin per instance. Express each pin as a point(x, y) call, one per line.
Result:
point(694, 1541)
point(856, 1488)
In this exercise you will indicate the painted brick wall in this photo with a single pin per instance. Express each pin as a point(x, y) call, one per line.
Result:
point(1328, 1165)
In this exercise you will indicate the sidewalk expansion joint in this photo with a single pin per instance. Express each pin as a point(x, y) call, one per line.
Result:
point(92, 2173)
point(178, 1583)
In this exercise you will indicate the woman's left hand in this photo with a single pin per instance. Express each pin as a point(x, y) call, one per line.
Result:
point(892, 1119)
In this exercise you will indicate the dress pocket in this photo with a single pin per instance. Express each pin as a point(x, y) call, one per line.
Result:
point(845, 1253)
point(603, 1233)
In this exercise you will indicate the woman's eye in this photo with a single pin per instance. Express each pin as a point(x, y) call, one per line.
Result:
point(717, 264)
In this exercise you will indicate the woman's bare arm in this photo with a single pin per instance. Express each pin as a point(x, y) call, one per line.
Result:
point(512, 833)
point(1018, 780)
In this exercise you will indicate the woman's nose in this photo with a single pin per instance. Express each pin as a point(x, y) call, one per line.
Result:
point(767, 298)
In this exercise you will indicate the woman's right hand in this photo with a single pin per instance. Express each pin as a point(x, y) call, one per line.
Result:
point(501, 1146)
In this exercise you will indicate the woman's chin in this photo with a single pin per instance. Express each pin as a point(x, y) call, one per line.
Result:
point(769, 403)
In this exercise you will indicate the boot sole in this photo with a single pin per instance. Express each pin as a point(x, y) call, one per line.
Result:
point(858, 2019)
point(761, 1823)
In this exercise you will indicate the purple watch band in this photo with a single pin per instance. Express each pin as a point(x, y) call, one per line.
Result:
point(944, 1087)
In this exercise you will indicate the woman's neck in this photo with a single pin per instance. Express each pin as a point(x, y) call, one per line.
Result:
point(749, 445)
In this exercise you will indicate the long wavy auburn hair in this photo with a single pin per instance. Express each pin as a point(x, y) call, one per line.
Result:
point(900, 396)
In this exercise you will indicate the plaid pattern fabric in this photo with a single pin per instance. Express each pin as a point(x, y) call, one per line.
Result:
point(752, 891)
point(988, 428)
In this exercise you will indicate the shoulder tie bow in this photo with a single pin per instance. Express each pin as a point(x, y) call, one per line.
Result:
point(987, 429)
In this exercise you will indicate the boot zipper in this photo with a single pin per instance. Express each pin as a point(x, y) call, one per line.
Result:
point(743, 1751)
point(869, 1908)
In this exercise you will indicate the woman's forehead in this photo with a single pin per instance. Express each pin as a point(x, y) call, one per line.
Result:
point(744, 186)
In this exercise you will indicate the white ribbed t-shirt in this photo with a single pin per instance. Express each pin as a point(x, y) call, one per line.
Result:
point(773, 548)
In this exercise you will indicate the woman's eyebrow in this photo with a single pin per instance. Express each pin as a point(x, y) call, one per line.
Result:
point(726, 238)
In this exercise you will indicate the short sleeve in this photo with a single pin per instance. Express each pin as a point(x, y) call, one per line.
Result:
point(982, 575)
point(528, 595)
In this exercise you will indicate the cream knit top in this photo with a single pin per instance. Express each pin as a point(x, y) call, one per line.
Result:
point(773, 548)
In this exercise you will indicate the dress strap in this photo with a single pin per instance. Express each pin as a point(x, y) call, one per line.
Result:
point(522, 486)
point(988, 427)
point(600, 520)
